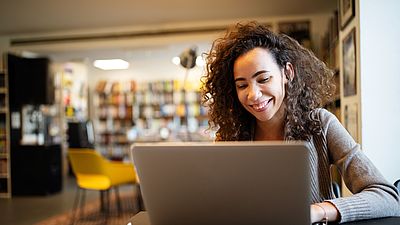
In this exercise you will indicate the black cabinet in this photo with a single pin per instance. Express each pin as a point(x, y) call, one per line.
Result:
point(36, 170)
point(36, 167)
point(30, 81)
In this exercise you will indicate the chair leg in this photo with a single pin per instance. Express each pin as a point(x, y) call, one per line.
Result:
point(117, 196)
point(82, 203)
point(103, 211)
point(102, 199)
point(108, 206)
point(75, 206)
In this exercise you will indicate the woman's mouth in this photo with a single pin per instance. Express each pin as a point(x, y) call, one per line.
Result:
point(261, 106)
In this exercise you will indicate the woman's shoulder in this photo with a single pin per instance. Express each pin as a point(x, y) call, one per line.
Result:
point(323, 116)
point(321, 113)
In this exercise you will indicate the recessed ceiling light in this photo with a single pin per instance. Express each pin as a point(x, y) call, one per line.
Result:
point(176, 60)
point(111, 64)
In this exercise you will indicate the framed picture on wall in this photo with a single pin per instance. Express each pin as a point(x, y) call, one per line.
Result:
point(351, 119)
point(349, 64)
point(299, 30)
point(346, 11)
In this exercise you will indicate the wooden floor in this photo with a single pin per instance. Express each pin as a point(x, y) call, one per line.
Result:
point(23, 210)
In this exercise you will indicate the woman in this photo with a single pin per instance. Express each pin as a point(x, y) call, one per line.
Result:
point(265, 86)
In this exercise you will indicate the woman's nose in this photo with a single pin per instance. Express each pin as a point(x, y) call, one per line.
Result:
point(254, 93)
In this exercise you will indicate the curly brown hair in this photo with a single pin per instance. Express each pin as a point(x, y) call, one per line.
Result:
point(311, 87)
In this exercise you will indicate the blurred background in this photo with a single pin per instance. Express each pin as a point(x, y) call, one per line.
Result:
point(106, 74)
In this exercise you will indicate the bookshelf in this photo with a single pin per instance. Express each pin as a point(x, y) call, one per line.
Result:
point(5, 174)
point(128, 112)
point(168, 106)
point(114, 102)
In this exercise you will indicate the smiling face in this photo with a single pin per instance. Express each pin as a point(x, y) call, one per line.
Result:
point(260, 84)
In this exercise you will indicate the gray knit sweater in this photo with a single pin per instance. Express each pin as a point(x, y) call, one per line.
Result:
point(373, 195)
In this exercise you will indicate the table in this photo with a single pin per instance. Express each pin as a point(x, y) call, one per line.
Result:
point(142, 219)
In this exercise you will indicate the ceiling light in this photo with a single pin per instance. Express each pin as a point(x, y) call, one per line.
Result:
point(200, 61)
point(176, 60)
point(111, 64)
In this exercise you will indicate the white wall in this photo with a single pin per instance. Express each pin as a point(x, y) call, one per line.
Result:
point(380, 83)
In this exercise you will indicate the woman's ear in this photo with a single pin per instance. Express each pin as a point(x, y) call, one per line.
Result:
point(289, 71)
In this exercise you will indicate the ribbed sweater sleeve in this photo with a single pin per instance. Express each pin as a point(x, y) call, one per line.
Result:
point(373, 196)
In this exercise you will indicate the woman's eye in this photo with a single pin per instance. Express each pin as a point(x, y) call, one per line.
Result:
point(241, 86)
point(265, 79)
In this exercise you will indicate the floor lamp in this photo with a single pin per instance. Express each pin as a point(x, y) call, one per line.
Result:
point(188, 61)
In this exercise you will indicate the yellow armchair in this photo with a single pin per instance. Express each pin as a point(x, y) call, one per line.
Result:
point(94, 172)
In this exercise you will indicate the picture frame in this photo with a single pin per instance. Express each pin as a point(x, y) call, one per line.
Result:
point(299, 30)
point(346, 12)
point(349, 64)
point(351, 119)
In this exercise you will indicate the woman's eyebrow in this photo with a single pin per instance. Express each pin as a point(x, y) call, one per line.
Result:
point(254, 75)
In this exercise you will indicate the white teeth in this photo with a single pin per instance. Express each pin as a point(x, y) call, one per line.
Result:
point(261, 105)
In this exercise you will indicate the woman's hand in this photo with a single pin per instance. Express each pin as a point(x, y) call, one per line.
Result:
point(321, 211)
point(316, 213)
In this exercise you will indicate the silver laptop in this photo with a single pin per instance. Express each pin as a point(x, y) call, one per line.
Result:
point(226, 183)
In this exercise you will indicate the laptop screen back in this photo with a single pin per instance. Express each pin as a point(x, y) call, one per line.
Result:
point(224, 183)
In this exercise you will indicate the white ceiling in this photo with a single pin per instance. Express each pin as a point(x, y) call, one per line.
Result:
point(24, 16)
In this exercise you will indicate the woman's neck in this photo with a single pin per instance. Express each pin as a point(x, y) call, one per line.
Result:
point(269, 132)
